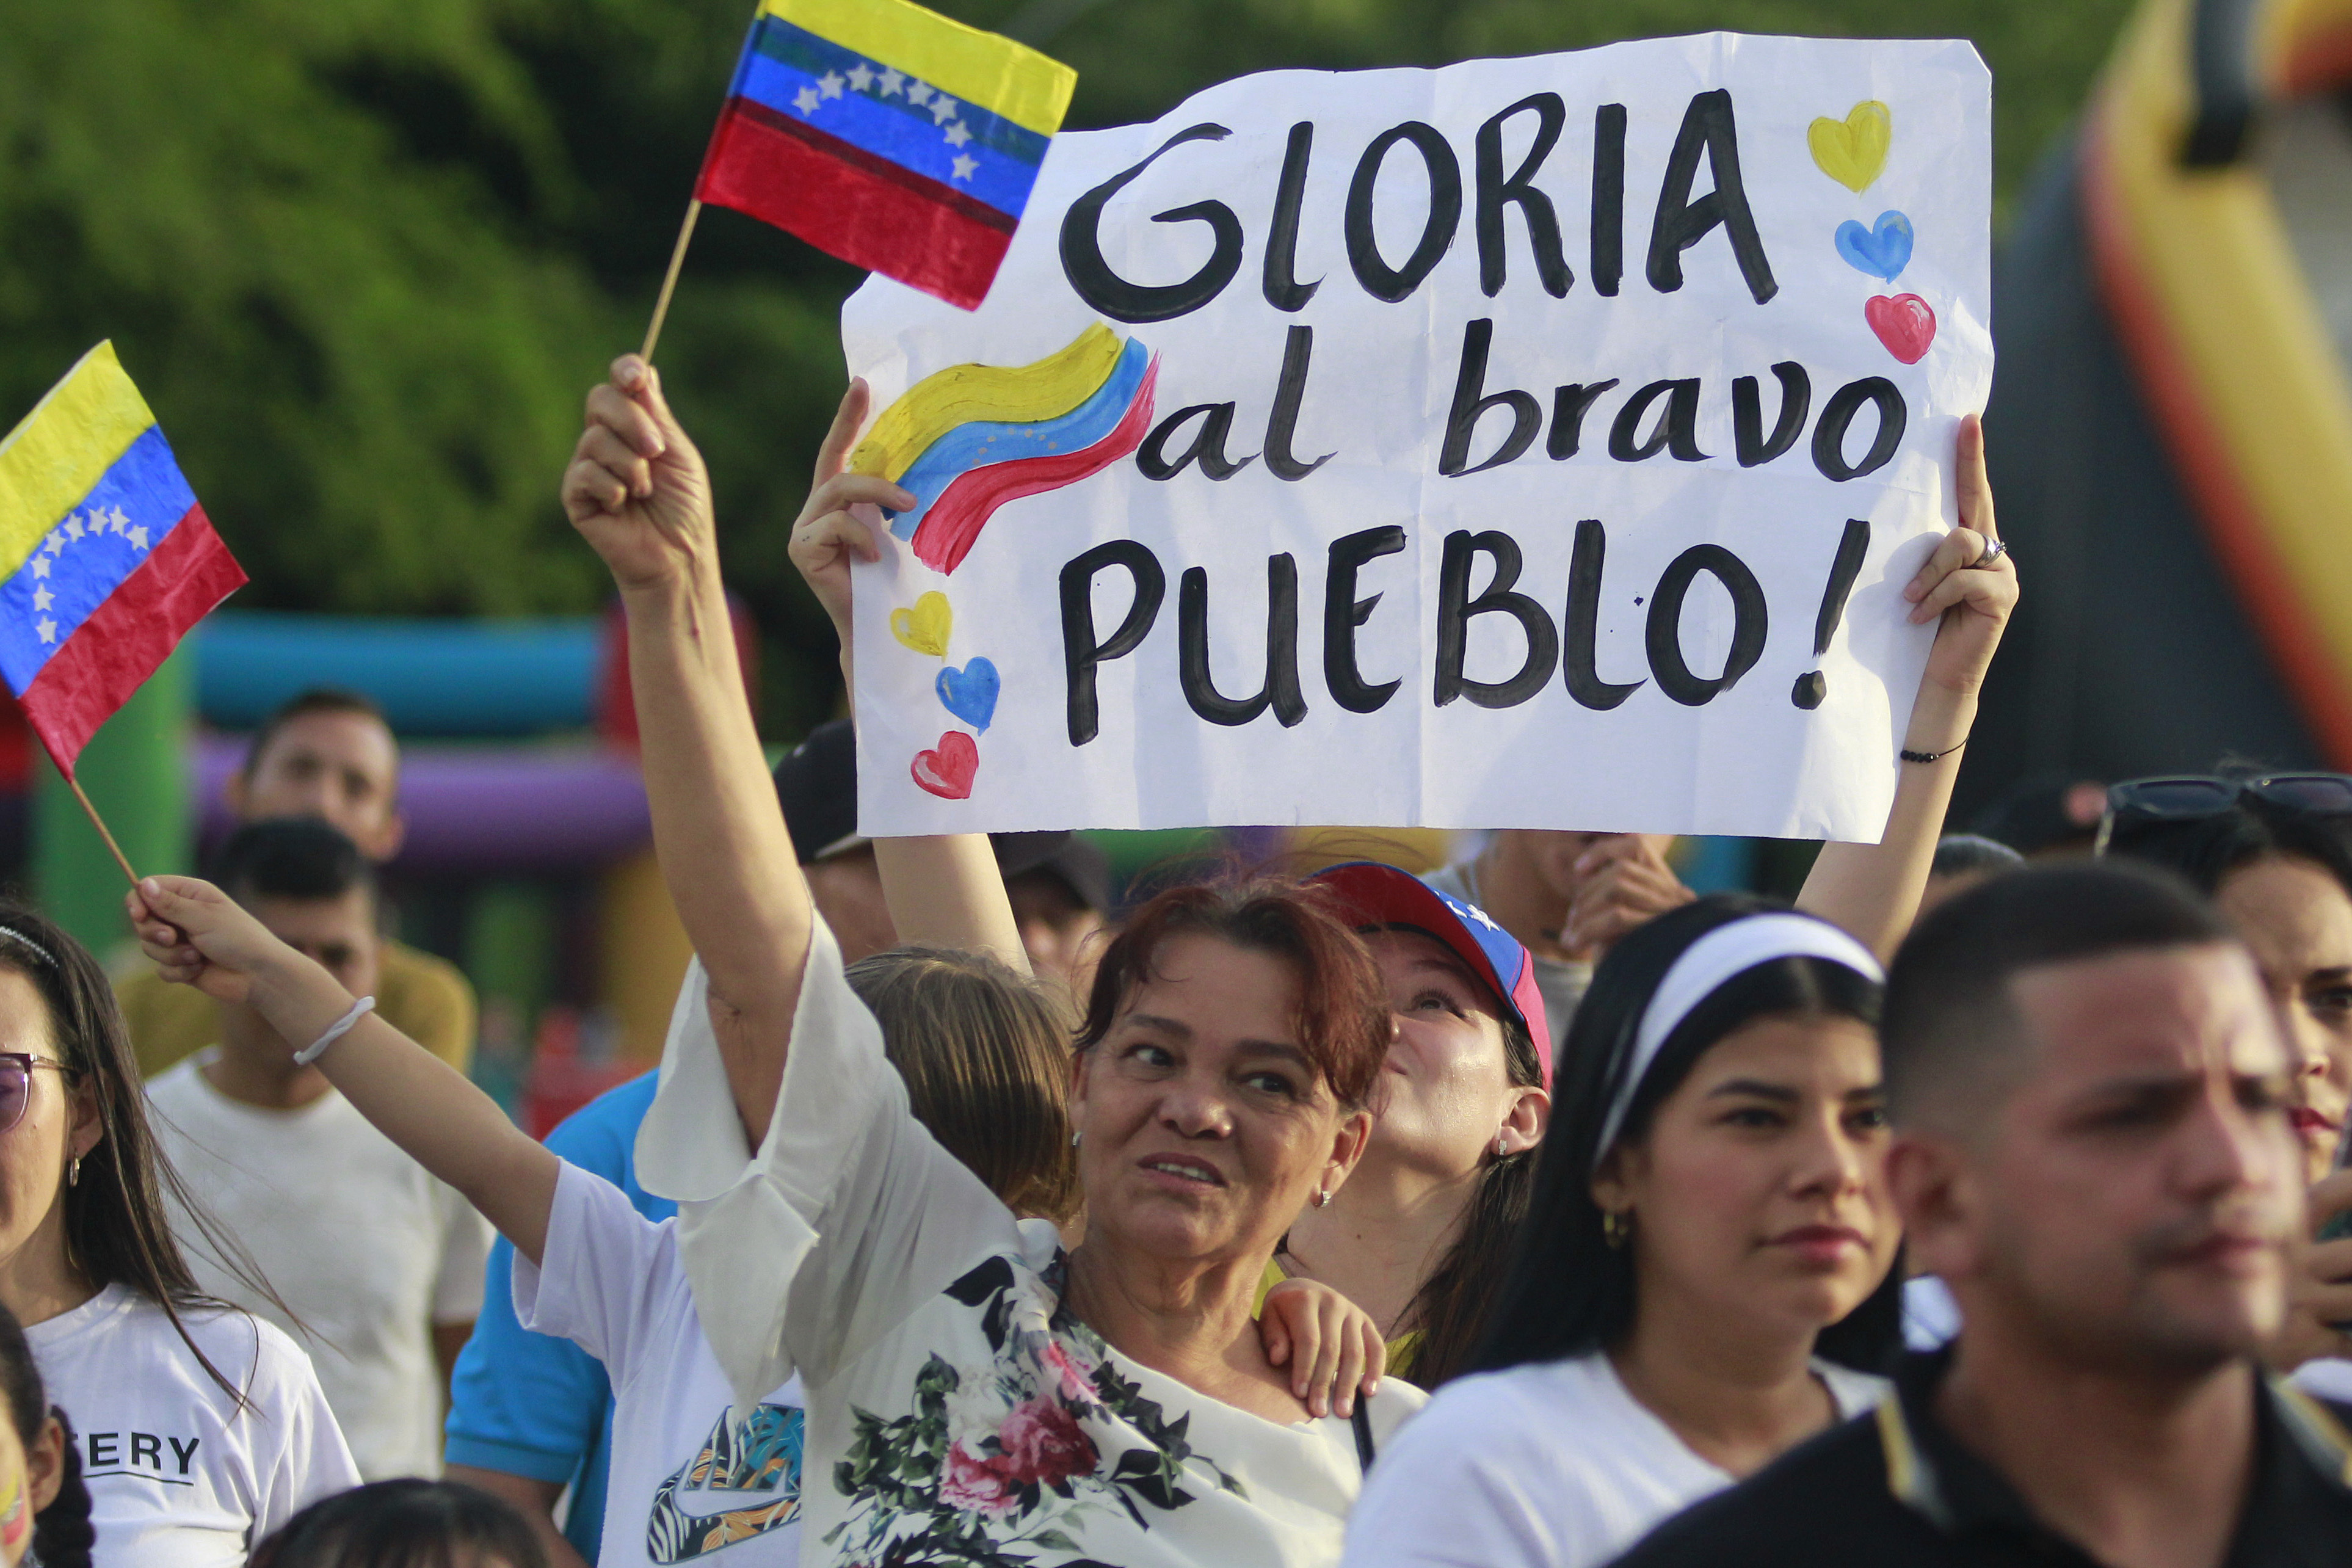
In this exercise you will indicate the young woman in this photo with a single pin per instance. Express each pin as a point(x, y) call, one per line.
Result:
point(1708, 1255)
point(44, 1502)
point(202, 1428)
point(405, 1524)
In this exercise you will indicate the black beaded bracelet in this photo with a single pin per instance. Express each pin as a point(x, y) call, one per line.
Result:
point(1932, 756)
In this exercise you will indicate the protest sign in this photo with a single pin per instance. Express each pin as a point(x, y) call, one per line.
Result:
point(1538, 443)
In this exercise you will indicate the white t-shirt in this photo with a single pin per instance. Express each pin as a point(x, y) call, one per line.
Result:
point(954, 1409)
point(686, 1479)
point(180, 1476)
point(1549, 1464)
point(367, 1247)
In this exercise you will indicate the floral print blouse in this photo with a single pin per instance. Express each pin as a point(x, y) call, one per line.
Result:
point(956, 1412)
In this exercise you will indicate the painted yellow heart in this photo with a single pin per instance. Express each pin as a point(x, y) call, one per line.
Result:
point(1852, 151)
point(925, 627)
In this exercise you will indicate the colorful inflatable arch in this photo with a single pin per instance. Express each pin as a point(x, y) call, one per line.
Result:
point(2172, 417)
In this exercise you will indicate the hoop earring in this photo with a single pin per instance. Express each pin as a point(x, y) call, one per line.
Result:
point(1616, 1226)
point(1322, 1197)
point(73, 1171)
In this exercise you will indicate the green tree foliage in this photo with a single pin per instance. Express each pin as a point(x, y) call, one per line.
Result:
point(364, 257)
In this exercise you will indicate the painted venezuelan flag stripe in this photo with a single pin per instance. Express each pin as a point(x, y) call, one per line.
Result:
point(63, 447)
point(947, 398)
point(986, 70)
point(853, 204)
point(953, 524)
point(984, 174)
point(982, 443)
point(113, 528)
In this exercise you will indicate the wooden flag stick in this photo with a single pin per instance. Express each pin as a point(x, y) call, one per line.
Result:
point(100, 823)
point(670, 280)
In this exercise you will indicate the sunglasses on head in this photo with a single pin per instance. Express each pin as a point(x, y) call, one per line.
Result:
point(2165, 802)
point(16, 1084)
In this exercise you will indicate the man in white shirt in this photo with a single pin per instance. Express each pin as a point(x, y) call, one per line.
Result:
point(380, 1264)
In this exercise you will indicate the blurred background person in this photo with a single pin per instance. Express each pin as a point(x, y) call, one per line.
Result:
point(331, 756)
point(403, 1525)
point(1962, 860)
point(374, 1265)
point(44, 1501)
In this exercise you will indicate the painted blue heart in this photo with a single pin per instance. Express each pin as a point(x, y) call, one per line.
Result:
point(970, 694)
point(1883, 252)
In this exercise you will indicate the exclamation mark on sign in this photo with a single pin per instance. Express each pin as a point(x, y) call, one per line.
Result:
point(1811, 686)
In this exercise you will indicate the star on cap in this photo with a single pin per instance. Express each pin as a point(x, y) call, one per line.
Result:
point(943, 109)
point(964, 166)
point(861, 77)
point(893, 79)
point(806, 100)
point(957, 134)
point(829, 84)
point(47, 628)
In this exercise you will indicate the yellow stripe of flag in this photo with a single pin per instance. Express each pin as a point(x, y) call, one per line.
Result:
point(53, 457)
point(987, 71)
point(1013, 393)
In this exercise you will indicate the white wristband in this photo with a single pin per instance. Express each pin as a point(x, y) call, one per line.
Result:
point(335, 1031)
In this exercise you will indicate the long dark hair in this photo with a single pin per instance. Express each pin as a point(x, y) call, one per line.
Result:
point(1567, 1291)
point(1450, 1309)
point(62, 1534)
point(117, 1221)
point(408, 1523)
point(2209, 849)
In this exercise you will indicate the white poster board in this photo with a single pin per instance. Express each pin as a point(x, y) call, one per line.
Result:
point(1475, 447)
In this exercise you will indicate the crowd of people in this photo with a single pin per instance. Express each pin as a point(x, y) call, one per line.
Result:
point(1535, 1213)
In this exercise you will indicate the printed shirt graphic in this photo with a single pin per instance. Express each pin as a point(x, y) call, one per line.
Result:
point(956, 1412)
point(688, 1477)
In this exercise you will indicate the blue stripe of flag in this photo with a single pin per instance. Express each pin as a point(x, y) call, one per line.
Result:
point(67, 577)
point(982, 443)
point(996, 179)
point(814, 56)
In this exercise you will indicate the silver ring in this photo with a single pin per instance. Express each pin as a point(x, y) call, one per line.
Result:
point(1994, 549)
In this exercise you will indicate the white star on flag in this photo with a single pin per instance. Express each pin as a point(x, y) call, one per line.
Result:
point(829, 84)
point(919, 92)
point(964, 166)
point(957, 134)
point(73, 527)
point(893, 79)
point(943, 109)
point(806, 100)
point(116, 521)
point(138, 537)
point(48, 629)
point(40, 565)
point(861, 75)
point(43, 598)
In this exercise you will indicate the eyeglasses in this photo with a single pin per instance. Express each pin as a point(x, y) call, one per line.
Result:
point(2163, 802)
point(16, 1084)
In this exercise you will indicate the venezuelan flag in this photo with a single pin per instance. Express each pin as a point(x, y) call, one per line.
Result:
point(973, 436)
point(106, 559)
point(889, 135)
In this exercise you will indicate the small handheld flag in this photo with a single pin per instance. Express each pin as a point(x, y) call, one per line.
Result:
point(106, 560)
point(886, 134)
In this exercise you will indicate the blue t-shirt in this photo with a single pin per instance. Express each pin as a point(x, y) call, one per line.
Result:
point(531, 1405)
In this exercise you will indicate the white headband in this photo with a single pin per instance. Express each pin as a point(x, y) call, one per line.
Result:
point(1702, 970)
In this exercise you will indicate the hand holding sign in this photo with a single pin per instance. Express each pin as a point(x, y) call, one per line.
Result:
point(827, 536)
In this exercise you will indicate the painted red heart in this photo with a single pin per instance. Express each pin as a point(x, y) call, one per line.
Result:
point(948, 770)
point(1902, 322)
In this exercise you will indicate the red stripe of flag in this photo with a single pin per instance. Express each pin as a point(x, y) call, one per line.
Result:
point(866, 210)
point(134, 629)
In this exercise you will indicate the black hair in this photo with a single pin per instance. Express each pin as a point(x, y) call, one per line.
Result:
point(315, 699)
point(2208, 849)
point(407, 1523)
point(62, 1533)
point(117, 1198)
point(1963, 854)
point(290, 857)
point(1567, 1291)
point(1951, 1028)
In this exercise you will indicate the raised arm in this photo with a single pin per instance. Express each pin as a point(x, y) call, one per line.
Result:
point(201, 937)
point(638, 492)
point(943, 889)
point(1873, 889)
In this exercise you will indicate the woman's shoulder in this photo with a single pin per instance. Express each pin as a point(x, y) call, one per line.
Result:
point(1525, 1405)
point(256, 1355)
